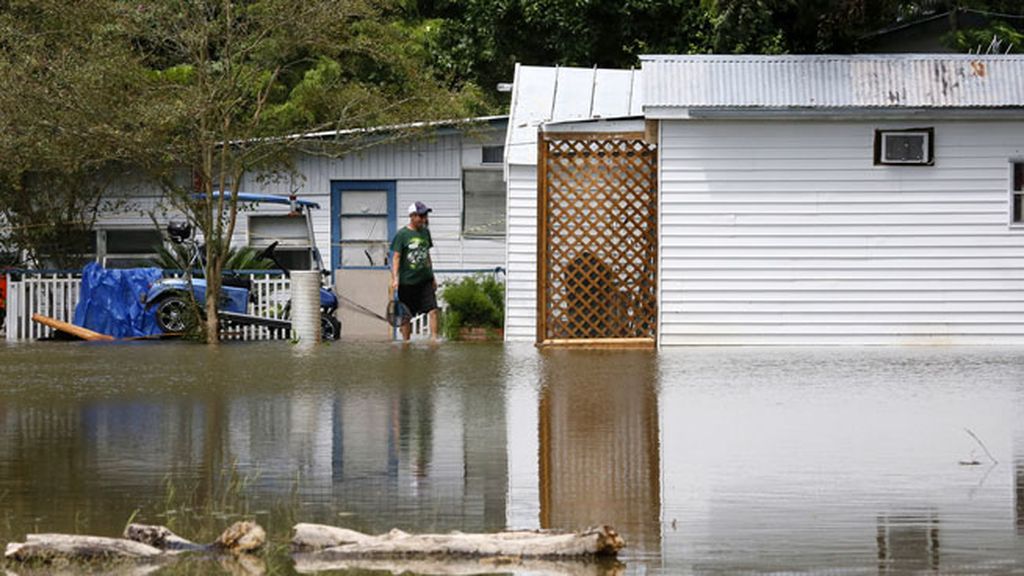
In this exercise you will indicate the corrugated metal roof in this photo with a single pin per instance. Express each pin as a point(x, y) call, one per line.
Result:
point(826, 81)
point(543, 94)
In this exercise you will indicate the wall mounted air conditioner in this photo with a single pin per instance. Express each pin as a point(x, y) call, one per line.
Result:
point(905, 147)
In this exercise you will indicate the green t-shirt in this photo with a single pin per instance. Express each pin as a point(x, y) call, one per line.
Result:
point(414, 248)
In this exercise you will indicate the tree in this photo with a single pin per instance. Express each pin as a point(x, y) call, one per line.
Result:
point(70, 112)
point(479, 41)
point(237, 77)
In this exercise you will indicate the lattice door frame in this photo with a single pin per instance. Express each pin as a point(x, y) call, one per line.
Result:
point(597, 239)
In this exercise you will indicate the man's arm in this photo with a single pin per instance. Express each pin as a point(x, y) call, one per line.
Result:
point(396, 261)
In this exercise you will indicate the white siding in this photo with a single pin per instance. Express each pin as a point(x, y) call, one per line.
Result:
point(451, 251)
point(428, 169)
point(521, 286)
point(786, 233)
point(129, 203)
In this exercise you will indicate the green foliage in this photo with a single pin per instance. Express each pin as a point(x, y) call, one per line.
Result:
point(474, 301)
point(72, 120)
point(176, 257)
point(1000, 37)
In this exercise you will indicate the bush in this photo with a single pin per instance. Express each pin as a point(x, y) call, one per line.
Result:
point(474, 301)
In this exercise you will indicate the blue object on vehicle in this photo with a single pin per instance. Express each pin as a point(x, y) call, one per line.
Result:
point(111, 301)
point(267, 198)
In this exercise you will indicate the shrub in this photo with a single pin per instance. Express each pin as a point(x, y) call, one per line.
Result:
point(474, 301)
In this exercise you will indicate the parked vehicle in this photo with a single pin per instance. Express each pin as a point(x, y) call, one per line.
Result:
point(170, 295)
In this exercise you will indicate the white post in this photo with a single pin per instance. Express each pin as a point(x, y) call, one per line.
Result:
point(306, 305)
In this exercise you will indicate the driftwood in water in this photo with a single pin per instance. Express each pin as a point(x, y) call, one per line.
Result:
point(313, 562)
point(46, 547)
point(77, 331)
point(140, 542)
point(339, 543)
point(159, 537)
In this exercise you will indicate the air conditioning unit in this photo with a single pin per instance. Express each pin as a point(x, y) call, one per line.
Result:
point(907, 147)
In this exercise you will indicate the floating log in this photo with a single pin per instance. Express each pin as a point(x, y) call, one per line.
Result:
point(313, 562)
point(140, 542)
point(239, 538)
point(159, 537)
point(45, 547)
point(340, 543)
point(80, 332)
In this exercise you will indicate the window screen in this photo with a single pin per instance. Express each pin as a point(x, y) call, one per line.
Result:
point(133, 241)
point(483, 207)
point(493, 155)
point(129, 248)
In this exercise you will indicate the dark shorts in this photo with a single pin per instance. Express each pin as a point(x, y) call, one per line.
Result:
point(419, 298)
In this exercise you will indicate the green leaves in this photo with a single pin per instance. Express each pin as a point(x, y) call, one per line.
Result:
point(474, 301)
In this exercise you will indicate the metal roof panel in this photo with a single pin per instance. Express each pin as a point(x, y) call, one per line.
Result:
point(543, 94)
point(834, 81)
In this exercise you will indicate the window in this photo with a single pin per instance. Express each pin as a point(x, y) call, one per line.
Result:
point(363, 221)
point(492, 155)
point(292, 234)
point(1017, 191)
point(128, 247)
point(913, 147)
point(483, 202)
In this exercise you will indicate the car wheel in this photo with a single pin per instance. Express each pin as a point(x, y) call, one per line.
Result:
point(330, 327)
point(173, 314)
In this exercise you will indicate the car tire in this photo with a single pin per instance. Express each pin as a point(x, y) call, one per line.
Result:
point(173, 314)
point(330, 327)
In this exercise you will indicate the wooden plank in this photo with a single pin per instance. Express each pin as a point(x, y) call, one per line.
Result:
point(542, 230)
point(80, 332)
point(601, 342)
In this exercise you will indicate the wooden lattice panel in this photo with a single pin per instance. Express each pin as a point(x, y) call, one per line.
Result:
point(597, 235)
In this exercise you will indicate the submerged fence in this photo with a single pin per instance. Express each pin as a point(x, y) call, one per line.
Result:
point(56, 294)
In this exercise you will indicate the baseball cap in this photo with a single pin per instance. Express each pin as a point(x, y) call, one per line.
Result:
point(419, 208)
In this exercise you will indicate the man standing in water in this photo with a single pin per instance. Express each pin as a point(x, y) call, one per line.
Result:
point(412, 274)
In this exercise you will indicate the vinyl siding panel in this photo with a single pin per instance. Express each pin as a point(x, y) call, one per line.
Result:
point(786, 233)
point(428, 169)
point(451, 250)
point(521, 286)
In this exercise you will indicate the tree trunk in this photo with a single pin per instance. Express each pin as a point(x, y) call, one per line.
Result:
point(140, 542)
point(340, 543)
point(213, 282)
point(47, 546)
point(314, 562)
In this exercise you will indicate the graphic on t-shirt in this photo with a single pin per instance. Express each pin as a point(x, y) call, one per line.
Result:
point(418, 253)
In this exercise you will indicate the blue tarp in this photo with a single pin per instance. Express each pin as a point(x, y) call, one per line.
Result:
point(111, 301)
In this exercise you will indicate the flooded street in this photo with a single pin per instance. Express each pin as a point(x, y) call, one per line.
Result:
point(854, 460)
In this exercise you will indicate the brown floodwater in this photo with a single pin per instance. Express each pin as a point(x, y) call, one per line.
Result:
point(707, 460)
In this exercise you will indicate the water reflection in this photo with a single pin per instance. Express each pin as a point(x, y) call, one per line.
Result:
point(391, 443)
point(707, 460)
point(599, 450)
point(908, 542)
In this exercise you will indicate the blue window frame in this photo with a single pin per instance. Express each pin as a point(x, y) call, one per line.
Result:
point(362, 223)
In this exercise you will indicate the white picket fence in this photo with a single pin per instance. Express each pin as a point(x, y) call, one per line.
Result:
point(56, 295)
point(50, 294)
